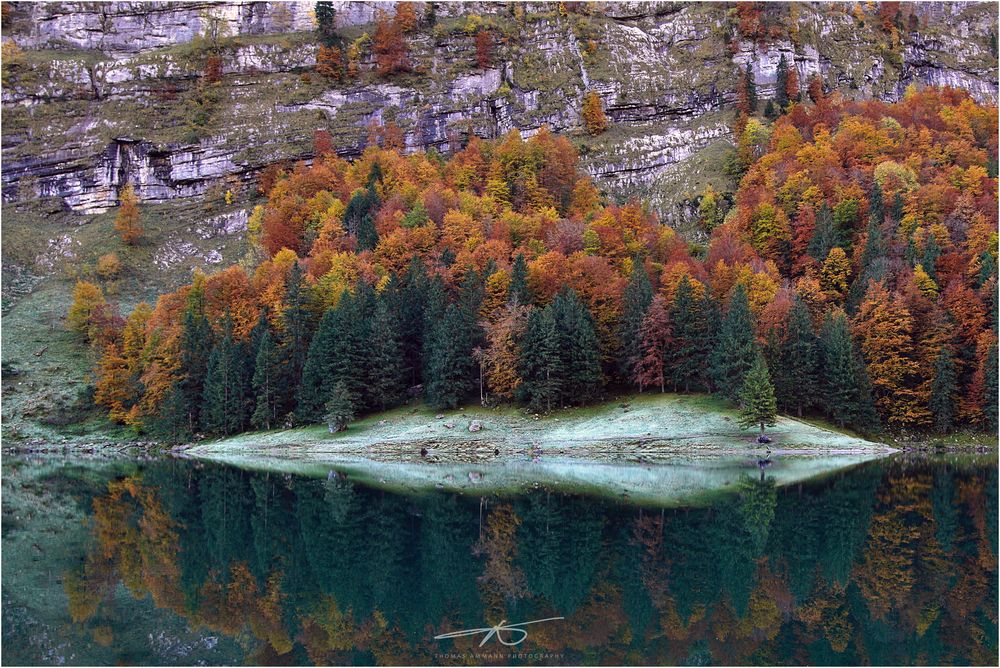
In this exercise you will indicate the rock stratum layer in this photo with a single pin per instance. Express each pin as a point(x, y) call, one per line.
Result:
point(102, 94)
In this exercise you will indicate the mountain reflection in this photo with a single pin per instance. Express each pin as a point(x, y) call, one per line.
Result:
point(890, 563)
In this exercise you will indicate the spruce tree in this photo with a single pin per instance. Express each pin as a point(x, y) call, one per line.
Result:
point(295, 339)
point(410, 299)
point(825, 237)
point(846, 391)
point(367, 234)
point(326, 21)
point(781, 85)
point(338, 410)
point(451, 370)
point(758, 406)
point(876, 203)
point(990, 387)
point(385, 357)
point(266, 383)
point(195, 349)
point(795, 374)
point(224, 401)
point(519, 290)
point(317, 374)
point(172, 421)
point(579, 347)
point(874, 262)
point(635, 303)
point(932, 251)
point(944, 387)
point(751, 88)
point(539, 365)
point(686, 358)
point(737, 347)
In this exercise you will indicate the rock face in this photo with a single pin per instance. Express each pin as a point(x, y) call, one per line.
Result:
point(109, 93)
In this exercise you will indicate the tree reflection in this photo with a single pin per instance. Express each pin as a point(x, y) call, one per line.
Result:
point(891, 563)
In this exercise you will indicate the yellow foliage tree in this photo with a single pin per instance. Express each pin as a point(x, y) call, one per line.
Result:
point(127, 221)
point(594, 118)
point(86, 298)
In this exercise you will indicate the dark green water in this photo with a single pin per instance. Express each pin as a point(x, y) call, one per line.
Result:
point(168, 562)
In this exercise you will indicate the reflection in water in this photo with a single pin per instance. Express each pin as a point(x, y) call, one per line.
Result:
point(891, 563)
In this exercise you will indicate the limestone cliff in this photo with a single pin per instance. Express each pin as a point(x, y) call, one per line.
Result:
point(105, 93)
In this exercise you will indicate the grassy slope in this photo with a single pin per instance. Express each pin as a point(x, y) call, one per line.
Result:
point(636, 422)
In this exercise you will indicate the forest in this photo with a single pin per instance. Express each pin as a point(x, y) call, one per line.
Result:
point(894, 564)
point(852, 274)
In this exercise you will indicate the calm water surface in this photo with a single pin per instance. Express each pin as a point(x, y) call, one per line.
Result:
point(168, 562)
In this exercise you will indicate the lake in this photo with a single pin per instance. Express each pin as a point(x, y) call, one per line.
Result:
point(169, 561)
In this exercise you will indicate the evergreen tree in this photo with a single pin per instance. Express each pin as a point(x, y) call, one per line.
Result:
point(451, 372)
point(434, 307)
point(825, 237)
point(363, 204)
point(846, 392)
point(757, 403)
point(795, 374)
point(737, 348)
point(339, 408)
point(385, 357)
point(539, 365)
point(686, 357)
point(990, 387)
point(326, 21)
point(943, 390)
point(225, 393)
point(876, 204)
point(874, 262)
point(367, 234)
point(635, 303)
point(410, 303)
point(195, 349)
point(519, 282)
point(266, 383)
point(781, 85)
point(295, 339)
point(560, 361)
point(932, 251)
point(318, 372)
point(172, 422)
point(751, 88)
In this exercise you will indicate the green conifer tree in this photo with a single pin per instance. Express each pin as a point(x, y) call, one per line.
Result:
point(944, 387)
point(266, 383)
point(224, 401)
point(846, 391)
point(758, 406)
point(990, 387)
point(825, 237)
point(781, 85)
point(539, 365)
point(451, 371)
point(338, 410)
point(635, 303)
point(686, 359)
point(518, 289)
point(385, 355)
point(195, 349)
point(367, 234)
point(737, 347)
point(795, 373)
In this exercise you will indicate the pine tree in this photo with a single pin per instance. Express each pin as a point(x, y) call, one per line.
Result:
point(295, 337)
point(519, 282)
point(225, 393)
point(781, 85)
point(845, 392)
point(367, 234)
point(944, 387)
point(756, 397)
point(873, 266)
point(737, 348)
point(195, 349)
point(266, 382)
point(990, 386)
point(451, 372)
point(539, 365)
point(795, 375)
point(690, 334)
point(826, 236)
point(318, 373)
point(385, 357)
point(339, 408)
point(635, 303)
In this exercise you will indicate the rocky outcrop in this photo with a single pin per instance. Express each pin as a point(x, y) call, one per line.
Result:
point(108, 92)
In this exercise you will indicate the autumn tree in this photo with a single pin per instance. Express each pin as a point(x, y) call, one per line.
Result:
point(654, 341)
point(127, 221)
point(484, 49)
point(389, 44)
point(594, 118)
point(503, 336)
point(87, 298)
